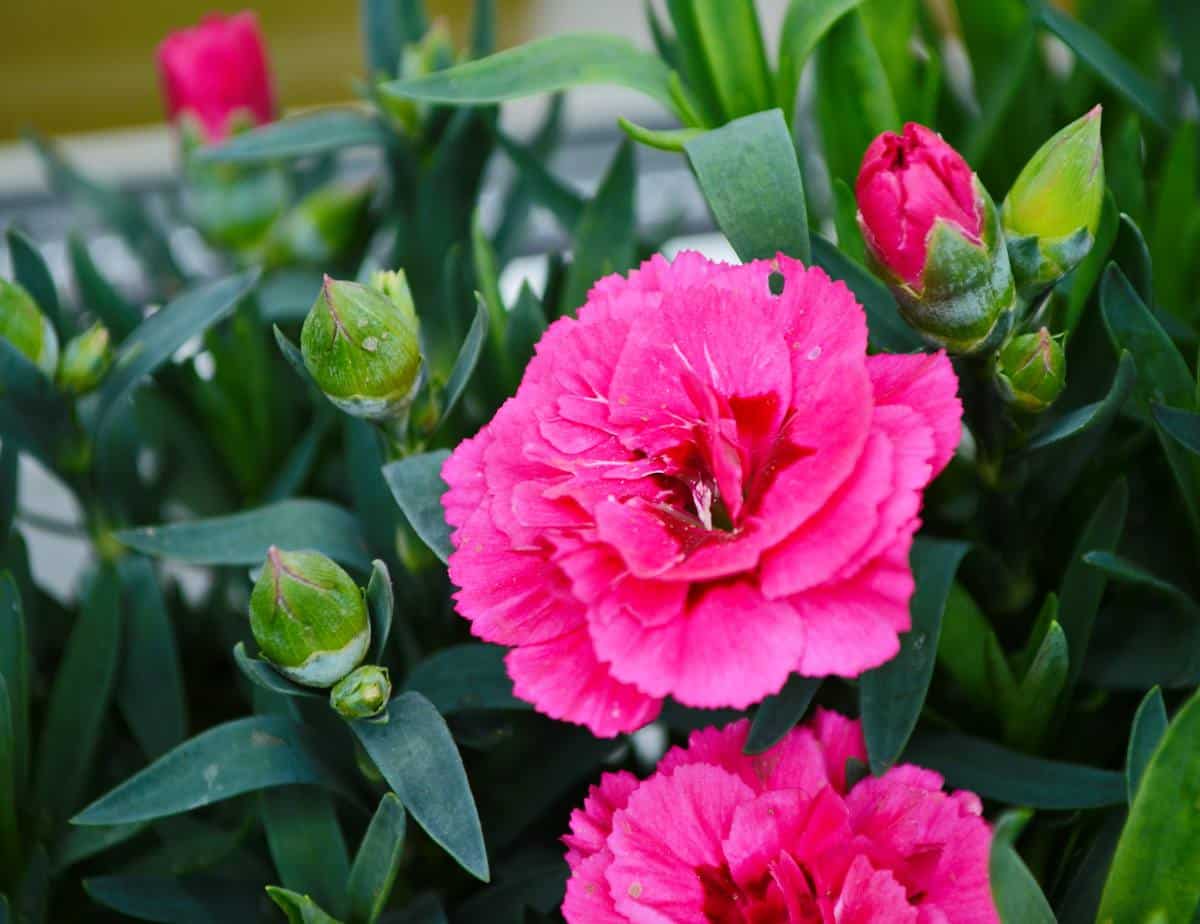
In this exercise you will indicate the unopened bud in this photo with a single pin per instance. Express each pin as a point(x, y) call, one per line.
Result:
point(85, 359)
point(362, 693)
point(1031, 371)
point(309, 618)
point(319, 227)
point(24, 326)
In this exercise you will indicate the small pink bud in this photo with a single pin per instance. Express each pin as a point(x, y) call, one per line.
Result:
point(905, 184)
point(216, 70)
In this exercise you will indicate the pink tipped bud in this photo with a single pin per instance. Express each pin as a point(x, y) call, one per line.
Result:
point(215, 71)
point(905, 184)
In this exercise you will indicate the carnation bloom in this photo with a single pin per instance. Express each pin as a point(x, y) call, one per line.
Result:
point(216, 70)
point(699, 488)
point(905, 184)
point(778, 838)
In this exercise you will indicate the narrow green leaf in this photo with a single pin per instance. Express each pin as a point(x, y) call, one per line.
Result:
point(467, 360)
point(1156, 868)
point(887, 329)
point(79, 844)
point(1018, 897)
point(1028, 717)
point(295, 471)
point(383, 37)
point(261, 674)
point(1133, 256)
point(294, 357)
point(1122, 569)
point(1092, 417)
point(234, 758)
point(79, 699)
point(1182, 426)
point(99, 295)
point(465, 677)
point(526, 324)
point(1184, 30)
point(10, 833)
point(483, 28)
point(804, 26)
point(558, 198)
point(892, 696)
point(604, 240)
point(995, 772)
point(750, 177)
point(157, 338)
point(192, 900)
point(541, 66)
point(664, 139)
point(243, 538)
point(15, 668)
point(777, 715)
point(150, 685)
point(1002, 92)
point(417, 485)
point(1149, 726)
point(1114, 70)
point(10, 458)
point(519, 199)
point(306, 843)
point(732, 46)
point(970, 654)
point(301, 136)
point(417, 756)
point(1083, 586)
point(30, 270)
point(382, 603)
point(300, 909)
point(22, 380)
point(377, 862)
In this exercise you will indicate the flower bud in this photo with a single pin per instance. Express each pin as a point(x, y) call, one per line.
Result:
point(1053, 209)
point(434, 52)
point(319, 227)
point(1031, 371)
point(85, 360)
point(362, 693)
point(23, 325)
point(216, 74)
point(361, 346)
point(309, 618)
point(932, 233)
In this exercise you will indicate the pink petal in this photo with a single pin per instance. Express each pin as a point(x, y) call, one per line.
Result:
point(840, 739)
point(926, 383)
point(588, 899)
point(592, 824)
point(871, 896)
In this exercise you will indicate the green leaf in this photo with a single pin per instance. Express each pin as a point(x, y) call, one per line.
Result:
point(381, 603)
point(605, 236)
point(995, 772)
point(542, 66)
point(300, 909)
point(10, 833)
point(383, 37)
point(157, 338)
point(1108, 65)
point(970, 653)
point(79, 699)
point(892, 696)
point(750, 177)
point(287, 294)
point(1149, 726)
point(1013, 74)
point(664, 139)
point(732, 46)
point(804, 26)
point(417, 485)
point(237, 757)
point(306, 843)
point(1082, 281)
point(262, 674)
point(1027, 718)
point(1156, 868)
point(1182, 426)
point(30, 270)
point(377, 862)
point(294, 357)
point(887, 329)
point(557, 197)
point(777, 715)
point(467, 360)
point(15, 668)
point(1092, 417)
point(99, 295)
point(1122, 569)
point(465, 677)
point(192, 900)
point(150, 684)
point(10, 459)
point(243, 538)
point(79, 844)
point(483, 28)
point(526, 324)
point(1082, 586)
point(1019, 899)
point(1130, 252)
point(300, 136)
point(417, 756)
point(298, 466)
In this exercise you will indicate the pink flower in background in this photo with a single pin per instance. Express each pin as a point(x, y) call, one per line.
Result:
point(905, 184)
point(699, 488)
point(216, 70)
point(718, 836)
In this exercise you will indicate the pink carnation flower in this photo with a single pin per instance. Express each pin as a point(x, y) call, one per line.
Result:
point(699, 488)
point(717, 836)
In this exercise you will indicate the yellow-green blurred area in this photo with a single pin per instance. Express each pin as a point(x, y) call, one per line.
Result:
point(78, 65)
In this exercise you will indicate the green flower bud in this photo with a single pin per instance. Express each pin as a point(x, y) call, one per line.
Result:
point(1053, 209)
point(362, 348)
point(434, 52)
point(319, 228)
point(85, 360)
point(1031, 371)
point(362, 693)
point(309, 618)
point(23, 325)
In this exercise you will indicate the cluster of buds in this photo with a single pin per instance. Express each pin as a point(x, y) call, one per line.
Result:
point(78, 367)
point(310, 621)
point(965, 273)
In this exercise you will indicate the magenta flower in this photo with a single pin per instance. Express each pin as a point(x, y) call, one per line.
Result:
point(699, 488)
point(216, 70)
point(905, 184)
point(715, 835)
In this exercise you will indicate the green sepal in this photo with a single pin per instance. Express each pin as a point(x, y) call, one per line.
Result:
point(1038, 263)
